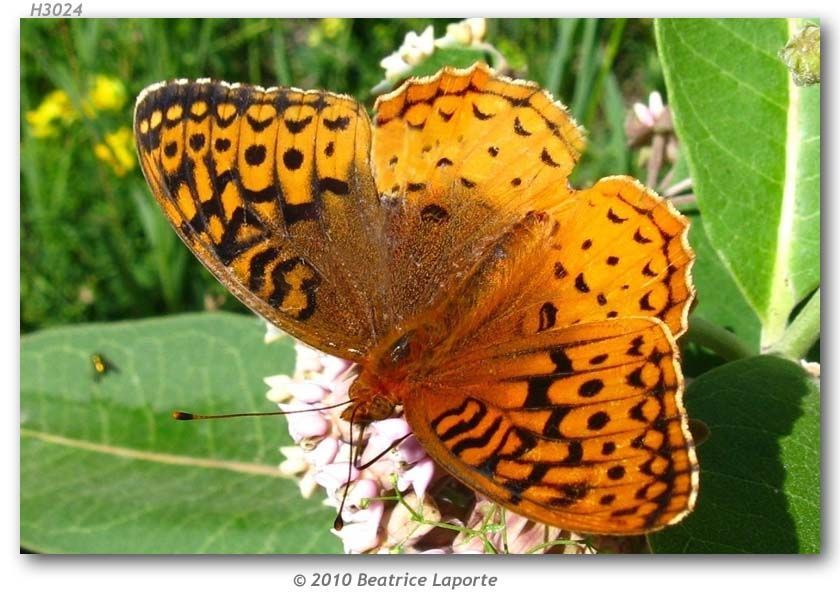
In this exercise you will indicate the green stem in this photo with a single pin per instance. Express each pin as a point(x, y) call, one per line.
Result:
point(802, 334)
point(721, 341)
point(585, 72)
point(609, 55)
point(282, 73)
point(560, 56)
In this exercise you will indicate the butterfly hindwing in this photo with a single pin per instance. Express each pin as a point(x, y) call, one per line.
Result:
point(582, 428)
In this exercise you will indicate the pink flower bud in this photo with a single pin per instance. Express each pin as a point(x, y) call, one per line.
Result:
point(306, 391)
point(360, 491)
point(332, 367)
point(382, 435)
point(308, 359)
point(323, 454)
point(363, 535)
point(655, 104)
point(334, 475)
point(411, 451)
point(305, 425)
point(340, 390)
point(278, 388)
point(419, 477)
point(644, 114)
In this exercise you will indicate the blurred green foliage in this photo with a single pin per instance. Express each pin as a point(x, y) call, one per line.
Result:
point(94, 246)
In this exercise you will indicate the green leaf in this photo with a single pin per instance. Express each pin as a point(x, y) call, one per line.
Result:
point(752, 140)
point(718, 298)
point(760, 466)
point(105, 469)
point(719, 303)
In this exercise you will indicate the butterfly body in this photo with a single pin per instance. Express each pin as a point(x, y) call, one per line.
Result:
point(527, 330)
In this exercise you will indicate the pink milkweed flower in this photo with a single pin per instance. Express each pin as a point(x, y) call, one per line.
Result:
point(419, 477)
point(653, 111)
point(305, 425)
point(647, 120)
point(382, 435)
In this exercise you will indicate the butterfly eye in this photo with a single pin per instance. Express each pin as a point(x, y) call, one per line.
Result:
point(401, 349)
point(363, 411)
point(380, 408)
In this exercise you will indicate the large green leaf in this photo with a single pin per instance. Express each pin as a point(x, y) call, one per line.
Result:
point(752, 139)
point(105, 469)
point(719, 301)
point(718, 298)
point(760, 466)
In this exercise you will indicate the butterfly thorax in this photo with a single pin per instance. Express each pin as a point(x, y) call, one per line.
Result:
point(379, 388)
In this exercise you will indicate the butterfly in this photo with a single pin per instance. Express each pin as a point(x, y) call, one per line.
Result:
point(527, 330)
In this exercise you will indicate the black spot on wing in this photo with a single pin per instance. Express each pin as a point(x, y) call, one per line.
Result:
point(433, 213)
point(337, 124)
point(546, 158)
point(296, 126)
point(590, 388)
point(255, 155)
point(548, 316)
point(336, 186)
point(517, 127)
point(292, 159)
point(614, 217)
point(480, 115)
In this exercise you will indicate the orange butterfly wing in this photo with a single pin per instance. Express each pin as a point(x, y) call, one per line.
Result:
point(458, 158)
point(272, 190)
point(582, 428)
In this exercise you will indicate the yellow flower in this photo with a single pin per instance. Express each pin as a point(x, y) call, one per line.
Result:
point(332, 27)
point(107, 93)
point(314, 37)
point(55, 106)
point(117, 151)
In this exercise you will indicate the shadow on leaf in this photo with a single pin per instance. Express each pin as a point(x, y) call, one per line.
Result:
point(759, 468)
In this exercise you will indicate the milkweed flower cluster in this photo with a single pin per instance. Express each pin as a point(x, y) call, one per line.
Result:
point(650, 128)
point(416, 48)
point(647, 121)
point(400, 501)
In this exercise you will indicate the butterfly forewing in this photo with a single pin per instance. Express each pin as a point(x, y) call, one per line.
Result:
point(272, 190)
point(459, 157)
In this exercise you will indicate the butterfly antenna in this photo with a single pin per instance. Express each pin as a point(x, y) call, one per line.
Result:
point(338, 524)
point(393, 445)
point(186, 416)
